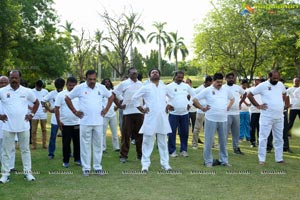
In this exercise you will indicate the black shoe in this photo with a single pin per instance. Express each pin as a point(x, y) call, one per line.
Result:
point(139, 157)
point(216, 162)
point(238, 151)
point(199, 141)
point(288, 150)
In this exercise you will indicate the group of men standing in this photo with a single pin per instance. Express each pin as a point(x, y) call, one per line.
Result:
point(151, 110)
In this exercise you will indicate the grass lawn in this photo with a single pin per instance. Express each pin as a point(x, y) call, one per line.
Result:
point(189, 179)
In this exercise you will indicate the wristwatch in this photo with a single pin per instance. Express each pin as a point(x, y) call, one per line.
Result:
point(32, 114)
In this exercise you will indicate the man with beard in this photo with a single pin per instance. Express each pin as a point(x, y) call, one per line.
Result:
point(233, 113)
point(156, 120)
point(273, 94)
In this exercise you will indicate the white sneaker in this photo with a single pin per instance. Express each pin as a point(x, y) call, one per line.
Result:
point(4, 179)
point(184, 154)
point(145, 169)
point(29, 177)
point(174, 154)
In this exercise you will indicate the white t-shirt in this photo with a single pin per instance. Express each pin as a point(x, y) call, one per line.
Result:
point(65, 114)
point(111, 112)
point(1, 122)
point(50, 97)
point(127, 89)
point(203, 101)
point(272, 96)
point(218, 102)
point(236, 91)
point(244, 107)
point(41, 112)
point(257, 98)
point(179, 92)
point(90, 102)
point(15, 107)
point(295, 103)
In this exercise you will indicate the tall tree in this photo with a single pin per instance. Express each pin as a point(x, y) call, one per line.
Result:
point(161, 37)
point(176, 45)
point(99, 37)
point(82, 48)
point(134, 32)
point(120, 35)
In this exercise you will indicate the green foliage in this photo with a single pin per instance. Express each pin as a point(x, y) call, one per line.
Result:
point(28, 39)
point(249, 44)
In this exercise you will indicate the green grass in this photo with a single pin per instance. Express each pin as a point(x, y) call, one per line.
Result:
point(190, 179)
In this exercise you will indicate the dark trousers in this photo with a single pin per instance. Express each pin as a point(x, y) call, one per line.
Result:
point(131, 126)
point(254, 127)
point(292, 116)
point(286, 144)
point(192, 116)
point(182, 123)
point(70, 133)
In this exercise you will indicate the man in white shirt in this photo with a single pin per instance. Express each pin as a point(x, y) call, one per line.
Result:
point(132, 117)
point(14, 99)
point(200, 117)
point(3, 82)
point(40, 115)
point(233, 114)
point(216, 108)
point(273, 94)
point(90, 112)
point(179, 115)
point(50, 98)
point(68, 123)
point(254, 115)
point(156, 120)
point(294, 103)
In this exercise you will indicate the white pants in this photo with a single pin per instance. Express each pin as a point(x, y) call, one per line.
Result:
point(112, 121)
point(147, 148)
point(0, 149)
point(91, 139)
point(265, 126)
point(8, 151)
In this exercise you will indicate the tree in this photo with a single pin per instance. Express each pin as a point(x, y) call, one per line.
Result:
point(10, 22)
point(82, 48)
point(176, 44)
point(99, 37)
point(27, 30)
point(120, 35)
point(248, 44)
point(134, 32)
point(161, 37)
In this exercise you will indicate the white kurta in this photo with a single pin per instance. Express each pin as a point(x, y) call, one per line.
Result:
point(156, 120)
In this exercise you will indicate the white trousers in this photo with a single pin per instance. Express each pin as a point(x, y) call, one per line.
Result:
point(91, 140)
point(265, 126)
point(8, 151)
point(147, 148)
point(112, 122)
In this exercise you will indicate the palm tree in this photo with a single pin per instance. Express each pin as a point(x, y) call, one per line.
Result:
point(160, 36)
point(100, 39)
point(134, 32)
point(176, 44)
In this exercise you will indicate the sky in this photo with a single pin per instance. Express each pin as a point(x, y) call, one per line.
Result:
point(180, 15)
